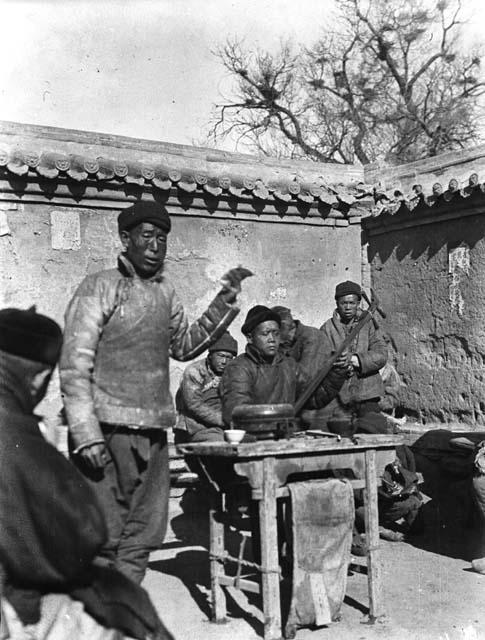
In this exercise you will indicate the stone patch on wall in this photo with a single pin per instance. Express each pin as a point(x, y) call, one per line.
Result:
point(458, 268)
point(278, 294)
point(4, 228)
point(65, 230)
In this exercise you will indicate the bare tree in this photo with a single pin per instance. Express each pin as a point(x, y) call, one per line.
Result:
point(392, 80)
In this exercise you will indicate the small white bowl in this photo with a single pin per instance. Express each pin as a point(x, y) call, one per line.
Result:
point(234, 436)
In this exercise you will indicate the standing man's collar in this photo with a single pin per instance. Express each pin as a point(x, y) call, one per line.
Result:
point(127, 269)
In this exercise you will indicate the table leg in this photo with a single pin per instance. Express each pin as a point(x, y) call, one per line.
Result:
point(372, 535)
point(216, 548)
point(269, 554)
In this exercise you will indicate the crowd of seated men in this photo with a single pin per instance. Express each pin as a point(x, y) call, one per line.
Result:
point(280, 357)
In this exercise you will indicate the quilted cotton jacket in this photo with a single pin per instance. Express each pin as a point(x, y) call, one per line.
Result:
point(197, 400)
point(120, 332)
point(310, 348)
point(371, 349)
point(249, 379)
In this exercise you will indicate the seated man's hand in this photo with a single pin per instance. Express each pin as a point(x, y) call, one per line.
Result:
point(94, 455)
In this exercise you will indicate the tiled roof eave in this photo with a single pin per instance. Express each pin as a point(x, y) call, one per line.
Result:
point(50, 168)
point(392, 207)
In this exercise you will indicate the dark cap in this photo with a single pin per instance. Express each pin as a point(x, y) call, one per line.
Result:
point(283, 312)
point(144, 211)
point(347, 288)
point(225, 343)
point(257, 315)
point(30, 335)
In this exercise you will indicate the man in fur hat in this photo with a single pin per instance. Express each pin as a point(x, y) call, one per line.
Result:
point(301, 342)
point(51, 524)
point(122, 325)
point(262, 375)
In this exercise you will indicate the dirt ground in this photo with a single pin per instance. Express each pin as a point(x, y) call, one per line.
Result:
point(429, 589)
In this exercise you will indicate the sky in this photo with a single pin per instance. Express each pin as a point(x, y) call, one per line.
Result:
point(139, 68)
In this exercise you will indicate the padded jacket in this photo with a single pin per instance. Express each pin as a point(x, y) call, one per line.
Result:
point(370, 348)
point(197, 400)
point(310, 348)
point(52, 529)
point(250, 379)
point(120, 332)
point(52, 526)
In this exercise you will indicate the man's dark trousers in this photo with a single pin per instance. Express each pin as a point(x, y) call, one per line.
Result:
point(133, 491)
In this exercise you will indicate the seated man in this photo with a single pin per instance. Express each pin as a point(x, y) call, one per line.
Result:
point(400, 501)
point(52, 525)
point(197, 400)
point(304, 344)
point(262, 375)
point(311, 349)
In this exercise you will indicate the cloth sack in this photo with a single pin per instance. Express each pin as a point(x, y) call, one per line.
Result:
point(322, 517)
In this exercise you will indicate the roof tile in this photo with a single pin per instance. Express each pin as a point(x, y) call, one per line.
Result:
point(167, 171)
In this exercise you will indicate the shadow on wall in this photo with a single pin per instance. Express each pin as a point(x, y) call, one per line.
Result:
point(429, 278)
point(413, 242)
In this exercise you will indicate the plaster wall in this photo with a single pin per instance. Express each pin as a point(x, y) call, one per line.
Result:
point(297, 265)
point(430, 281)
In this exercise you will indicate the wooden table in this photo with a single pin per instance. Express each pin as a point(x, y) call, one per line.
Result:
point(268, 465)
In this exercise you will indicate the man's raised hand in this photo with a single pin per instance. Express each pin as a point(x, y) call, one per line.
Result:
point(231, 282)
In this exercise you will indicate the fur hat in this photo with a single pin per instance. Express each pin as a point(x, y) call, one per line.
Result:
point(225, 343)
point(30, 335)
point(347, 288)
point(283, 312)
point(257, 315)
point(144, 211)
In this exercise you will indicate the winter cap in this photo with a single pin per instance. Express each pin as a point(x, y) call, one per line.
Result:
point(225, 343)
point(144, 211)
point(283, 312)
point(30, 335)
point(347, 288)
point(257, 315)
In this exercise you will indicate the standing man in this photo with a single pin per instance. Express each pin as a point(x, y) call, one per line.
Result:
point(198, 401)
point(360, 394)
point(122, 325)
